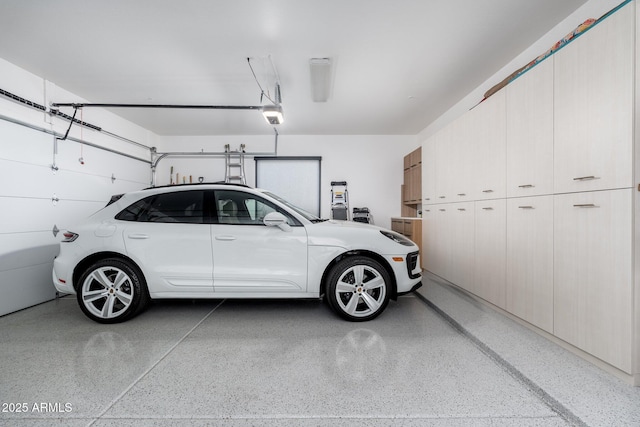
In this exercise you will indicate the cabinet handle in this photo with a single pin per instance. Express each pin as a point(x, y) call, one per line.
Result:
point(585, 178)
point(427, 210)
point(487, 191)
point(526, 186)
point(461, 194)
point(427, 198)
point(525, 207)
point(586, 205)
point(461, 209)
point(488, 209)
point(442, 210)
point(443, 197)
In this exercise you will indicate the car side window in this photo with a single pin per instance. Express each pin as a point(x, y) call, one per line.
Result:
point(175, 207)
point(238, 207)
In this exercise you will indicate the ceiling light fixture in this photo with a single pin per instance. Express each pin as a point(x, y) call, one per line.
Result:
point(273, 114)
point(320, 79)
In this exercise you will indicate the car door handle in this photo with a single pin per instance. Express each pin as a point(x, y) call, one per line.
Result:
point(138, 236)
point(226, 238)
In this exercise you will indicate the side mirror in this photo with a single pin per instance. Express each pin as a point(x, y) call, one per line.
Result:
point(276, 219)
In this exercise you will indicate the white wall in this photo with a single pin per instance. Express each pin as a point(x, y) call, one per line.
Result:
point(28, 209)
point(372, 165)
point(592, 9)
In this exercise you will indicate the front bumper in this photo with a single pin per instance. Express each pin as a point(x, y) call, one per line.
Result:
point(415, 288)
point(408, 273)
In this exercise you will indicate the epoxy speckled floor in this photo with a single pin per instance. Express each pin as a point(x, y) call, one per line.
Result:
point(294, 363)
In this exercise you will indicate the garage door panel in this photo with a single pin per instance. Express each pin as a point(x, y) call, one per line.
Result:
point(20, 143)
point(31, 215)
point(26, 180)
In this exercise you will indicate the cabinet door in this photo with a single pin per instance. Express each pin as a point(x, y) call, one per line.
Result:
point(397, 225)
point(444, 165)
point(594, 86)
point(436, 240)
point(488, 136)
point(431, 232)
point(416, 183)
point(462, 245)
point(463, 166)
point(529, 285)
point(429, 170)
point(593, 301)
point(530, 132)
point(416, 156)
point(416, 233)
point(408, 185)
point(490, 251)
point(407, 229)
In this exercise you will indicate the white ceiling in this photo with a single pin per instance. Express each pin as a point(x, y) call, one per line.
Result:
point(398, 64)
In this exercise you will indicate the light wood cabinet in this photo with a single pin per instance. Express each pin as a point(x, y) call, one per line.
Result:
point(490, 251)
point(488, 124)
point(461, 219)
point(435, 239)
point(593, 105)
point(412, 190)
point(454, 162)
point(431, 232)
point(444, 160)
point(593, 273)
point(429, 174)
point(530, 133)
point(553, 215)
point(529, 284)
point(462, 169)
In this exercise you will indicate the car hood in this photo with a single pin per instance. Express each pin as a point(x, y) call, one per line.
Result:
point(348, 224)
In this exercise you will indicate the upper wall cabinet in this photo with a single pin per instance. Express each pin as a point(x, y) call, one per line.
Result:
point(594, 93)
point(530, 132)
point(463, 166)
point(429, 173)
point(413, 177)
point(488, 144)
point(444, 161)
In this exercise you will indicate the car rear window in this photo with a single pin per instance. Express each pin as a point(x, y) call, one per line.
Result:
point(180, 207)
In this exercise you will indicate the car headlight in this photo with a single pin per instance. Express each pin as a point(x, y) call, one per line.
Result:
point(398, 238)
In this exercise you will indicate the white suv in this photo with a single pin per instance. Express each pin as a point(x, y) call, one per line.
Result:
point(228, 241)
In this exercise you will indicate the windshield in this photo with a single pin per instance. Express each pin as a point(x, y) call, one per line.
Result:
point(309, 216)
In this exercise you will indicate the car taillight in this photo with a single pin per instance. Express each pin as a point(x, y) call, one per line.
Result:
point(69, 236)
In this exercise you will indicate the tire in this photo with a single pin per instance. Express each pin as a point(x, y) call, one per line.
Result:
point(361, 278)
point(112, 291)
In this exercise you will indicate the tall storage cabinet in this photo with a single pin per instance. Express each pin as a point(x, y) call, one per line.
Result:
point(530, 133)
point(529, 282)
point(555, 209)
point(593, 105)
point(462, 237)
point(490, 244)
point(487, 122)
point(593, 303)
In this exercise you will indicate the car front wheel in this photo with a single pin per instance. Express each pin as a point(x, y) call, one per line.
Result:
point(358, 288)
point(112, 291)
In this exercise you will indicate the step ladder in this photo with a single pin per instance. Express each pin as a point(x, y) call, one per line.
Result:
point(234, 165)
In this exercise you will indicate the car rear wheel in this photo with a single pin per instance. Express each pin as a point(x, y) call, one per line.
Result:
point(112, 291)
point(358, 288)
